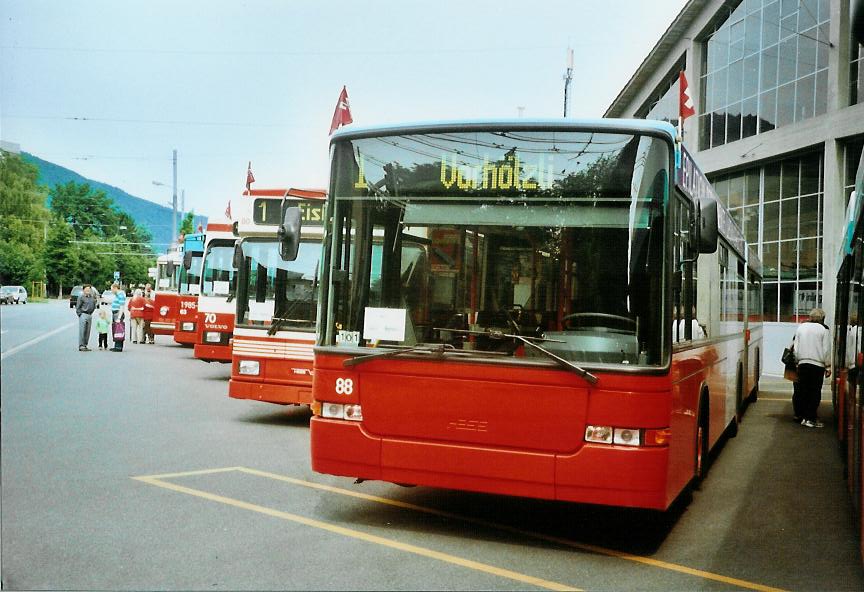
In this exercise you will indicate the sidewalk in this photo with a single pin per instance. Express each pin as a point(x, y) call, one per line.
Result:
point(773, 386)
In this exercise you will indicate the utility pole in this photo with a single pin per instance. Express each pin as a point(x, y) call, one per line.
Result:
point(174, 203)
point(568, 76)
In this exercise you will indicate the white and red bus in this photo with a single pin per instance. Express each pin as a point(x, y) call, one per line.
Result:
point(214, 325)
point(848, 386)
point(277, 300)
point(536, 351)
point(189, 286)
point(166, 298)
point(848, 355)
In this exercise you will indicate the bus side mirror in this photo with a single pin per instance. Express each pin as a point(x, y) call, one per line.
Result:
point(289, 234)
point(187, 260)
point(237, 262)
point(707, 225)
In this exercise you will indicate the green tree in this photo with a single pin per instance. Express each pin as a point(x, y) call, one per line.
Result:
point(23, 221)
point(104, 238)
point(61, 256)
point(187, 224)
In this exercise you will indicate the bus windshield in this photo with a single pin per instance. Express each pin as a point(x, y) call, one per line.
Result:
point(468, 239)
point(218, 273)
point(190, 280)
point(272, 291)
point(169, 273)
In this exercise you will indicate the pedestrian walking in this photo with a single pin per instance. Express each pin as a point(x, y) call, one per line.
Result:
point(118, 305)
point(118, 316)
point(136, 315)
point(84, 307)
point(812, 347)
point(103, 326)
point(149, 309)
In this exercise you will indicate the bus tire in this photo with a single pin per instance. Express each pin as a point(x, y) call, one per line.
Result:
point(754, 394)
point(739, 397)
point(701, 457)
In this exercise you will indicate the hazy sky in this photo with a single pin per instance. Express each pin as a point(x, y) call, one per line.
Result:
point(109, 88)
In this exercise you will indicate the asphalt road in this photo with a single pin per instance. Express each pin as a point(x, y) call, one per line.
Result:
point(136, 471)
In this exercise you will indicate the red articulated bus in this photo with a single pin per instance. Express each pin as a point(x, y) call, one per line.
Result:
point(517, 331)
point(166, 299)
point(848, 386)
point(189, 287)
point(214, 325)
point(277, 299)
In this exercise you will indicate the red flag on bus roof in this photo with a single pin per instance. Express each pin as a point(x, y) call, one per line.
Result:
point(685, 101)
point(250, 178)
point(342, 114)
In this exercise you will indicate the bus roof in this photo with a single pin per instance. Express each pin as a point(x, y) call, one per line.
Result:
point(420, 127)
point(688, 177)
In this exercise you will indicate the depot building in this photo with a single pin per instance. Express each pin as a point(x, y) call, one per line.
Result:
point(778, 87)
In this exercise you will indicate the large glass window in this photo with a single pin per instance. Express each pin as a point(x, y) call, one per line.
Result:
point(851, 160)
point(168, 275)
point(190, 280)
point(488, 242)
point(218, 271)
point(277, 293)
point(856, 71)
point(765, 66)
point(663, 105)
point(779, 207)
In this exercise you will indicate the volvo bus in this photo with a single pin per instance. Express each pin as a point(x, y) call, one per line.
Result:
point(214, 326)
point(586, 329)
point(277, 301)
point(848, 355)
point(189, 286)
point(166, 299)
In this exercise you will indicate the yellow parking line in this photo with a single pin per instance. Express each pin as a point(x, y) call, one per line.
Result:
point(561, 541)
point(356, 534)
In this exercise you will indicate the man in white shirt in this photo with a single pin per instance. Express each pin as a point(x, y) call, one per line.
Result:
point(812, 346)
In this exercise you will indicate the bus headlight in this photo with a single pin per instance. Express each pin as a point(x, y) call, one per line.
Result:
point(598, 434)
point(211, 337)
point(626, 437)
point(249, 367)
point(340, 411)
point(188, 326)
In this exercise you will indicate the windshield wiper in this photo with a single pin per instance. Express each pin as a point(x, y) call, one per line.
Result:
point(492, 334)
point(279, 322)
point(434, 348)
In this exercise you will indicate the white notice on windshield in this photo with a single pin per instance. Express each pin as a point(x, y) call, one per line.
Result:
point(261, 311)
point(221, 288)
point(387, 324)
point(164, 282)
point(194, 289)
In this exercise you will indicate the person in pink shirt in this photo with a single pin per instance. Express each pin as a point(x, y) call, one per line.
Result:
point(136, 313)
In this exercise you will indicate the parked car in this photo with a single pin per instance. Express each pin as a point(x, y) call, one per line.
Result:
point(107, 297)
point(6, 295)
point(14, 294)
point(74, 294)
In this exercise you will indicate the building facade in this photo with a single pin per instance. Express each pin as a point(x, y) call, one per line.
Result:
point(778, 87)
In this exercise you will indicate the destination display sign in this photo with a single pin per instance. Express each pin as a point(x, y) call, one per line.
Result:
point(268, 211)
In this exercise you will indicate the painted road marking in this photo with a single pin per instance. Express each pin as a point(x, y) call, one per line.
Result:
point(493, 525)
point(35, 340)
point(355, 534)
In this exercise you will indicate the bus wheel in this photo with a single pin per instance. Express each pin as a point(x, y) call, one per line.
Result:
point(701, 464)
point(754, 394)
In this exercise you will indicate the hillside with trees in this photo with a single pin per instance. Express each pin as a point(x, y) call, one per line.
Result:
point(154, 218)
point(82, 236)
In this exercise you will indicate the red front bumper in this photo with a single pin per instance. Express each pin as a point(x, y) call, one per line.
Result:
point(213, 353)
